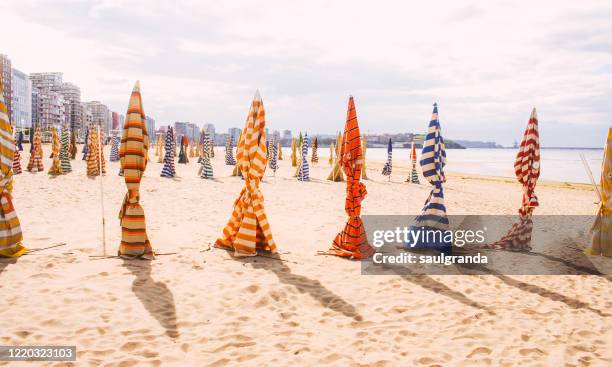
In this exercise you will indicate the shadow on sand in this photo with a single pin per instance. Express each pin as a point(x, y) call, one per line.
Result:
point(5, 262)
point(304, 285)
point(155, 296)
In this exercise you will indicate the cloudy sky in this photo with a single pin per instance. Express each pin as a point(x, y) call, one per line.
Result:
point(486, 63)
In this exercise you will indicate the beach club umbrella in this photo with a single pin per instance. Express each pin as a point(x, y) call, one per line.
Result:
point(298, 147)
point(168, 169)
point(336, 173)
point(351, 242)
point(304, 170)
point(229, 152)
point(280, 151)
point(114, 154)
point(315, 146)
point(17, 162)
point(601, 242)
point(332, 148)
point(36, 164)
point(248, 230)
point(133, 158)
point(527, 171)
point(293, 153)
point(388, 167)
point(414, 176)
point(86, 144)
point(206, 169)
point(101, 151)
point(10, 229)
point(73, 146)
point(56, 168)
point(273, 161)
point(160, 148)
point(93, 159)
point(182, 153)
point(433, 159)
point(64, 154)
point(364, 176)
point(236, 171)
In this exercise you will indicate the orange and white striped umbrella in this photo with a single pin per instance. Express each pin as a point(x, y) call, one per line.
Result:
point(248, 230)
point(133, 157)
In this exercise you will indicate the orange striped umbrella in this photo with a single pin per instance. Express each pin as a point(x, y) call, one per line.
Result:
point(248, 229)
point(10, 229)
point(133, 158)
point(352, 241)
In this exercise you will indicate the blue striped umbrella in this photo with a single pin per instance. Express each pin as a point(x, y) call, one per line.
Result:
point(388, 165)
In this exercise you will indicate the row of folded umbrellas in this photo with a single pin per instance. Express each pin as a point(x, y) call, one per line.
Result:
point(248, 232)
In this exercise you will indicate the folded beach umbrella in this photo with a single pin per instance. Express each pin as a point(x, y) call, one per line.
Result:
point(248, 230)
point(336, 173)
point(332, 148)
point(73, 146)
point(364, 176)
point(293, 153)
point(280, 151)
point(168, 169)
point(160, 148)
point(56, 168)
point(304, 170)
point(229, 152)
point(93, 152)
point(601, 242)
point(414, 176)
point(273, 161)
point(206, 169)
point(10, 229)
point(351, 242)
point(182, 153)
point(527, 171)
point(64, 154)
point(315, 146)
point(236, 171)
point(433, 216)
point(86, 144)
point(17, 162)
point(35, 164)
point(388, 168)
point(20, 140)
point(133, 157)
point(114, 154)
point(101, 151)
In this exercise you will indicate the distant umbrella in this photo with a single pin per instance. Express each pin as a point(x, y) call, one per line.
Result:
point(414, 176)
point(36, 164)
point(315, 146)
point(64, 154)
point(168, 169)
point(56, 167)
point(304, 170)
point(388, 168)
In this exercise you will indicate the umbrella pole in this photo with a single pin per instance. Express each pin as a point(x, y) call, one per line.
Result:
point(590, 174)
point(102, 195)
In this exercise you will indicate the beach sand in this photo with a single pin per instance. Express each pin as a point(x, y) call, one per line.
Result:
point(202, 307)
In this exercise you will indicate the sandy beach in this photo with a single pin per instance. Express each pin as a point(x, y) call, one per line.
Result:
point(200, 306)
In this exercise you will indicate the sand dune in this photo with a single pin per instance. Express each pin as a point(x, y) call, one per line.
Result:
point(202, 307)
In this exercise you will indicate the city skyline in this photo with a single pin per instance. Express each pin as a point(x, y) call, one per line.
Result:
point(486, 64)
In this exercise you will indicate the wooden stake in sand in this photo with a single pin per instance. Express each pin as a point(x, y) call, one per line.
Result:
point(102, 195)
point(590, 174)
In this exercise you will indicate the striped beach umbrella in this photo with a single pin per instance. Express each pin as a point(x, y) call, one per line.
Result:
point(304, 171)
point(414, 176)
point(236, 171)
point(56, 167)
point(160, 148)
point(64, 154)
point(168, 169)
point(315, 145)
point(332, 149)
point(336, 174)
point(433, 160)
point(388, 167)
point(351, 242)
point(17, 162)
point(133, 157)
point(280, 151)
point(364, 176)
point(248, 230)
point(183, 152)
point(206, 169)
point(36, 164)
point(527, 171)
point(10, 229)
point(273, 161)
point(601, 241)
point(101, 151)
point(293, 153)
point(86, 144)
point(229, 152)
point(93, 163)
point(114, 154)
point(73, 145)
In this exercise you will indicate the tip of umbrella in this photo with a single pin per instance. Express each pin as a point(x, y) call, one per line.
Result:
point(257, 96)
point(137, 85)
point(609, 133)
point(534, 113)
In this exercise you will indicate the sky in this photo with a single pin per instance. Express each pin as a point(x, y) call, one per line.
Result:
point(486, 63)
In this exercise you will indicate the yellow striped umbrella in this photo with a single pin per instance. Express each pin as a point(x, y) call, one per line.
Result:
point(133, 156)
point(10, 230)
point(56, 168)
point(248, 230)
point(601, 243)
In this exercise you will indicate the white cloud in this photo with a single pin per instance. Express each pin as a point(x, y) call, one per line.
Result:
point(486, 62)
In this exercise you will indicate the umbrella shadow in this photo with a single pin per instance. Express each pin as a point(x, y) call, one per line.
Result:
point(305, 285)
point(157, 299)
point(4, 263)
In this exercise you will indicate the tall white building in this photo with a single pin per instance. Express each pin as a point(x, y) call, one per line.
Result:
point(21, 100)
point(100, 115)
